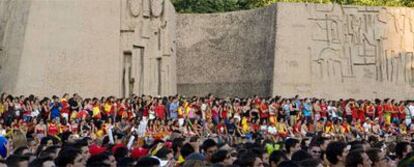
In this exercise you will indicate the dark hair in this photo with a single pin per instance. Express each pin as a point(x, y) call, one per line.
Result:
point(373, 154)
point(408, 161)
point(319, 141)
point(38, 162)
point(147, 162)
point(208, 144)
point(19, 150)
point(247, 159)
point(126, 162)
point(14, 160)
point(163, 152)
point(334, 150)
point(300, 156)
point(186, 150)
point(289, 143)
point(354, 158)
point(98, 160)
point(120, 153)
point(67, 156)
point(400, 148)
point(177, 143)
point(277, 156)
point(49, 150)
point(82, 143)
point(288, 164)
point(219, 156)
point(310, 163)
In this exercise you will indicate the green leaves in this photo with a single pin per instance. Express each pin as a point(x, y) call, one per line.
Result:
point(206, 6)
point(212, 6)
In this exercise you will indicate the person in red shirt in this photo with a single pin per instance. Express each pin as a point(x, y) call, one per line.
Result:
point(74, 127)
point(370, 110)
point(65, 112)
point(221, 128)
point(121, 109)
point(354, 110)
point(52, 128)
point(395, 112)
point(83, 114)
point(297, 127)
point(264, 112)
point(361, 113)
point(401, 111)
point(223, 113)
point(160, 110)
point(379, 111)
point(255, 127)
point(387, 111)
point(324, 110)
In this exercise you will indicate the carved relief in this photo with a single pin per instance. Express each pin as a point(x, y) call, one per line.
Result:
point(352, 38)
point(135, 7)
point(149, 36)
point(157, 7)
point(146, 12)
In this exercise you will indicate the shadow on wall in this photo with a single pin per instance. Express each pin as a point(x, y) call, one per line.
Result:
point(227, 54)
point(13, 21)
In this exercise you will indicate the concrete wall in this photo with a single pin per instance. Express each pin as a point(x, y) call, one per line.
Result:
point(106, 47)
point(328, 51)
point(227, 54)
point(337, 51)
point(148, 47)
point(65, 46)
point(52, 47)
point(13, 20)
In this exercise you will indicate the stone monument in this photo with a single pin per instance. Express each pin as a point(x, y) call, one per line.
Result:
point(314, 50)
point(120, 47)
point(92, 47)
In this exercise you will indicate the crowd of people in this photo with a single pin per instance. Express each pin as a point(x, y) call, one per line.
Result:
point(175, 131)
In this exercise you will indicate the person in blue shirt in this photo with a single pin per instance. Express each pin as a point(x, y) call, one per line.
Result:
point(307, 110)
point(173, 109)
point(55, 107)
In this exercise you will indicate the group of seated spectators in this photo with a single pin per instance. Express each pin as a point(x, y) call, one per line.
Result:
point(150, 131)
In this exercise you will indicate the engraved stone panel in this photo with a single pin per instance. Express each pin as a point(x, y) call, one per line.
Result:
point(135, 7)
point(157, 7)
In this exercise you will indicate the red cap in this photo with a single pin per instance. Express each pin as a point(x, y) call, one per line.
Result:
point(95, 149)
point(139, 152)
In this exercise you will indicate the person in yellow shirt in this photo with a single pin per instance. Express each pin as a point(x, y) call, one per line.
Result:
point(73, 116)
point(96, 112)
point(281, 128)
point(245, 125)
point(329, 128)
point(403, 129)
point(107, 107)
point(1, 108)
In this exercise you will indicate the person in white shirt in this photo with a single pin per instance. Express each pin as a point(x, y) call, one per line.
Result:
point(411, 109)
point(332, 110)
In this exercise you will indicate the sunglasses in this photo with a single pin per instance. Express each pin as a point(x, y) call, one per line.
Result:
point(317, 151)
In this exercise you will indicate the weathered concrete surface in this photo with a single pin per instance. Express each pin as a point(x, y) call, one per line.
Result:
point(13, 20)
point(337, 51)
point(226, 53)
point(51, 47)
point(148, 47)
point(313, 50)
point(106, 47)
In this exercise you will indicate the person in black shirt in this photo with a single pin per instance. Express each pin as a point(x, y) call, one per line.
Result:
point(73, 102)
point(231, 127)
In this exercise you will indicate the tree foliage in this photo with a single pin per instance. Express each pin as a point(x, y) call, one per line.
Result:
point(212, 6)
